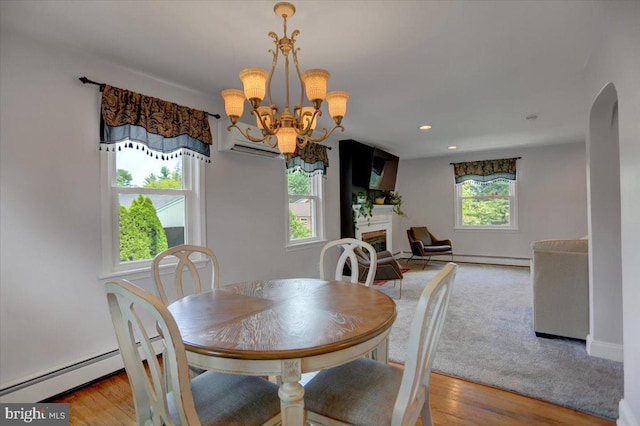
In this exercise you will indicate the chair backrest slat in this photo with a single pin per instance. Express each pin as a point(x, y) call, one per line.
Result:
point(348, 245)
point(423, 340)
point(185, 267)
point(127, 305)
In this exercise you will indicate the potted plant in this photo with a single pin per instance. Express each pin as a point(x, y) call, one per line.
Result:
point(361, 198)
point(364, 208)
point(395, 199)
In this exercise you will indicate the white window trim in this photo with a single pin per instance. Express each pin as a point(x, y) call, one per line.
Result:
point(318, 217)
point(195, 229)
point(513, 212)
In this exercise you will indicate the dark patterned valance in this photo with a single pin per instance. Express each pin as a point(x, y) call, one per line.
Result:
point(311, 159)
point(485, 171)
point(160, 125)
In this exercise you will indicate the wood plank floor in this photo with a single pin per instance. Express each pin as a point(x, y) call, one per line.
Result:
point(453, 402)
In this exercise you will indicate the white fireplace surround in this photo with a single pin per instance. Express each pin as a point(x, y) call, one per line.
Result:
point(381, 220)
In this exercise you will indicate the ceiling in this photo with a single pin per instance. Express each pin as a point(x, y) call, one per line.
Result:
point(474, 70)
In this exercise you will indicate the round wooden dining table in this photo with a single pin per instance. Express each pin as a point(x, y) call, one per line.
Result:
point(283, 328)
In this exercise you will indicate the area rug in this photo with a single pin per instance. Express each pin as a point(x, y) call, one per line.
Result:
point(488, 338)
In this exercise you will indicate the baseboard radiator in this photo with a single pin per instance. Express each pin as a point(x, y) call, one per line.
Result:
point(473, 258)
point(46, 385)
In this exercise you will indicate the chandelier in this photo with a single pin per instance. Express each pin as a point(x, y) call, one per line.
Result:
point(290, 128)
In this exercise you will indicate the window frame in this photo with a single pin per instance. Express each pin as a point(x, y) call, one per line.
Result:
point(317, 213)
point(193, 180)
point(513, 209)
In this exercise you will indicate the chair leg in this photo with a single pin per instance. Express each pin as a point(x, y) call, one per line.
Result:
point(425, 413)
point(399, 288)
point(424, 263)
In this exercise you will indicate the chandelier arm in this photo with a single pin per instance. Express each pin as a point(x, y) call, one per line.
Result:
point(294, 53)
point(307, 129)
point(325, 134)
point(274, 62)
point(286, 80)
point(247, 134)
point(302, 142)
point(270, 141)
point(266, 130)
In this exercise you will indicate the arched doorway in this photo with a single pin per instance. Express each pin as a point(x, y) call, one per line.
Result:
point(605, 260)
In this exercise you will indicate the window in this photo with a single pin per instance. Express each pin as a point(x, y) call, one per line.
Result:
point(486, 205)
point(305, 214)
point(149, 205)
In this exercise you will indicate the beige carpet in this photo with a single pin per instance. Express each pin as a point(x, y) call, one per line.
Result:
point(488, 338)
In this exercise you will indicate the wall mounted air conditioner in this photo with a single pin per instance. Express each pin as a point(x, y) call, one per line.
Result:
point(233, 141)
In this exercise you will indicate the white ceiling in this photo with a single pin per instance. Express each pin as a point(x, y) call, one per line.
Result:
point(472, 69)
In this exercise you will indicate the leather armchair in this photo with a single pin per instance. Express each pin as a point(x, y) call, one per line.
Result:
point(387, 267)
point(424, 244)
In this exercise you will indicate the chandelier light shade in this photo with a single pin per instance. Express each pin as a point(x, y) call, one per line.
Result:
point(287, 139)
point(292, 127)
point(315, 82)
point(254, 81)
point(337, 104)
point(233, 102)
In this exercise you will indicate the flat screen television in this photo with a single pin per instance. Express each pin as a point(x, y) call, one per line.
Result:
point(384, 168)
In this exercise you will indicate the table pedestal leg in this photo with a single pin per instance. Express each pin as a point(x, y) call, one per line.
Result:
point(291, 394)
point(381, 352)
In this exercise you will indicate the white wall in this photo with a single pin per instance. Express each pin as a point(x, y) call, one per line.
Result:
point(53, 312)
point(552, 200)
point(605, 258)
point(616, 59)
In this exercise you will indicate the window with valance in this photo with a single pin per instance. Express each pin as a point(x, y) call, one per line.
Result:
point(486, 194)
point(306, 169)
point(153, 195)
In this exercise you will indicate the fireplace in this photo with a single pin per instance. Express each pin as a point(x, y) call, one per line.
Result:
point(377, 228)
point(378, 239)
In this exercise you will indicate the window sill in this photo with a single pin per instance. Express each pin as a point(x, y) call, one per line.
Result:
point(305, 245)
point(485, 229)
point(146, 272)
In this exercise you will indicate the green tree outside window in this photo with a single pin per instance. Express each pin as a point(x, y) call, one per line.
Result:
point(297, 229)
point(486, 204)
point(141, 233)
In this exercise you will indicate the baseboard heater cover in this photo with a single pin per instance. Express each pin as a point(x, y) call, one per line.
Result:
point(474, 258)
point(59, 381)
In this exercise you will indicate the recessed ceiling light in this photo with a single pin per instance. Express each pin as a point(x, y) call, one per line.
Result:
point(425, 127)
point(452, 147)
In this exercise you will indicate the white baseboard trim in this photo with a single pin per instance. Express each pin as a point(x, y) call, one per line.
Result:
point(606, 350)
point(626, 416)
point(47, 385)
point(44, 387)
point(467, 258)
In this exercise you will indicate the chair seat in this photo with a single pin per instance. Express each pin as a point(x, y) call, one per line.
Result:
point(433, 249)
point(231, 399)
point(331, 393)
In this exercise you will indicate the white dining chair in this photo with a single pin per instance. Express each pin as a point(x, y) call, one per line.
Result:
point(366, 392)
point(186, 256)
point(210, 399)
point(347, 246)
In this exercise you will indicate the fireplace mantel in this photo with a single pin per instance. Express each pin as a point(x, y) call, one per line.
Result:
point(381, 220)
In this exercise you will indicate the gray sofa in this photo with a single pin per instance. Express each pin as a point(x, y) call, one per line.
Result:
point(560, 279)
